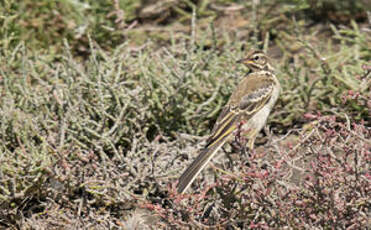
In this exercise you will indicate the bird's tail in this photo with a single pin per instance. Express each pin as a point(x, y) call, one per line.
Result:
point(222, 130)
point(198, 164)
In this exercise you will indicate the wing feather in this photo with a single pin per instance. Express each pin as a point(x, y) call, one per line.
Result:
point(249, 97)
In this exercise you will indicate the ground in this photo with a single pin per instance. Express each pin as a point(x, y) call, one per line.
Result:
point(104, 104)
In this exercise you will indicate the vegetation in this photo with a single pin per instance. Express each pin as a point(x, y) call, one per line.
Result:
point(104, 103)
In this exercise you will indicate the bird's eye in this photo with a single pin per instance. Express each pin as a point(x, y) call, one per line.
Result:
point(256, 58)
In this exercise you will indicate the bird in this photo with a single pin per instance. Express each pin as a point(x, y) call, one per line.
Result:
point(247, 110)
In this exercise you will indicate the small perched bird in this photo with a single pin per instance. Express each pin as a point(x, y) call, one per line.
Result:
point(247, 110)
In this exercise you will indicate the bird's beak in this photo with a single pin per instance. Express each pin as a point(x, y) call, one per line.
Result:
point(245, 61)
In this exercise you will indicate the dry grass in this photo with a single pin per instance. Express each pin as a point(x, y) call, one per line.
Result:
point(98, 140)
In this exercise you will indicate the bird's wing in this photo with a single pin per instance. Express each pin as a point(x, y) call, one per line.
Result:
point(249, 97)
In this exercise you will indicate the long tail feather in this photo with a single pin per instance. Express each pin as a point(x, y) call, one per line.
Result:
point(221, 133)
point(198, 164)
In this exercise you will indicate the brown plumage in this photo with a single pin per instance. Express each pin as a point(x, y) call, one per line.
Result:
point(251, 103)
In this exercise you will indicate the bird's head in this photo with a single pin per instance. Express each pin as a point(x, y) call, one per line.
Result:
point(256, 60)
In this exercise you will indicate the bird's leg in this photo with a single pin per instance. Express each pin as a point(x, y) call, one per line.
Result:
point(250, 144)
point(240, 139)
point(245, 150)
